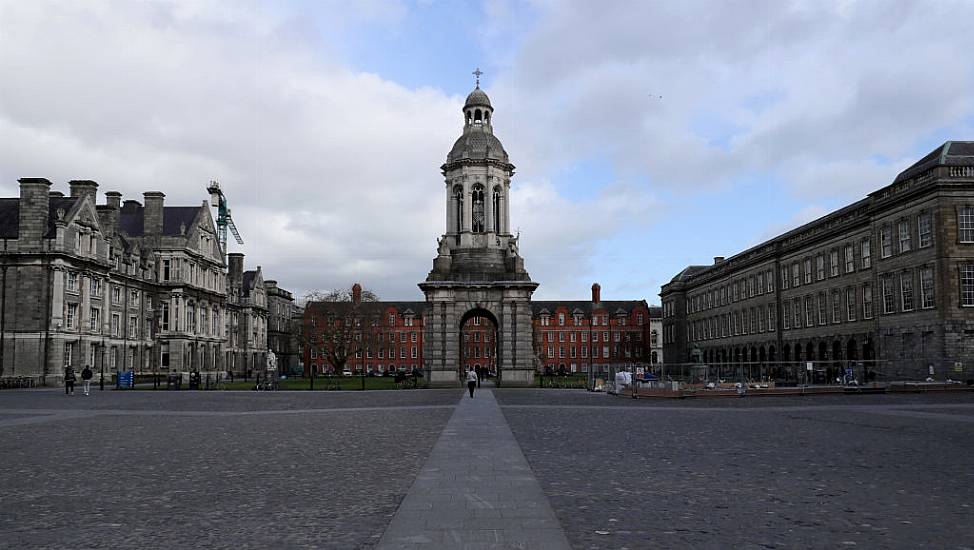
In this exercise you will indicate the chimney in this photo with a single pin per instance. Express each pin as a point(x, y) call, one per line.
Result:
point(235, 268)
point(131, 206)
point(114, 199)
point(84, 188)
point(718, 259)
point(596, 293)
point(357, 294)
point(34, 207)
point(152, 218)
point(55, 194)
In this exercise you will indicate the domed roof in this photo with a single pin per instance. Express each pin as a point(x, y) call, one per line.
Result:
point(477, 143)
point(477, 97)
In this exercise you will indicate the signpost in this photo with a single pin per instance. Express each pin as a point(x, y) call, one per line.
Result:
point(126, 379)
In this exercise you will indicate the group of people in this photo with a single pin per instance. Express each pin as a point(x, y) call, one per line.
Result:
point(70, 378)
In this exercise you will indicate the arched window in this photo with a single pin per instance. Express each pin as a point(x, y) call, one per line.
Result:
point(477, 215)
point(458, 200)
point(477, 116)
point(497, 209)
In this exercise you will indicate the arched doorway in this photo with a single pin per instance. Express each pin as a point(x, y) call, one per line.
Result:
point(851, 353)
point(478, 343)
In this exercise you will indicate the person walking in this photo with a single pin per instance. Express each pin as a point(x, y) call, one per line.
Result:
point(471, 380)
point(69, 379)
point(86, 376)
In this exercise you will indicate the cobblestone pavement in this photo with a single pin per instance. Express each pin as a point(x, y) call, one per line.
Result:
point(329, 470)
point(210, 469)
point(890, 471)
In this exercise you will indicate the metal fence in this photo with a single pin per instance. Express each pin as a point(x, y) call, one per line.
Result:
point(784, 374)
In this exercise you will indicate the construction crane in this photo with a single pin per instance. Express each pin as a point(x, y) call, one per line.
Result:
point(223, 221)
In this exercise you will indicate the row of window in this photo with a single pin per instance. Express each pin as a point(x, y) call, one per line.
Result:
point(582, 336)
point(582, 351)
point(379, 354)
point(753, 320)
point(578, 320)
point(835, 262)
point(747, 287)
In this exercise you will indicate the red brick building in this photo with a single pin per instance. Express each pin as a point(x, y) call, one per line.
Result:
point(578, 335)
point(569, 336)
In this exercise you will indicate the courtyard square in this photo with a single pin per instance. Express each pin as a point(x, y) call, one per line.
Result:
point(356, 469)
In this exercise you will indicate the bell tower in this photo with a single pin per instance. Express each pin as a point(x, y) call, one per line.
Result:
point(478, 266)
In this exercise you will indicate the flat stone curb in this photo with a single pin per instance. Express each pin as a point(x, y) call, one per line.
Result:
point(476, 490)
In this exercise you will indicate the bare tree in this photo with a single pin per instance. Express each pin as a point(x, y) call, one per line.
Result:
point(339, 323)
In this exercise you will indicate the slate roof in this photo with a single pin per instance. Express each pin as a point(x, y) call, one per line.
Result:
point(131, 220)
point(56, 203)
point(688, 272)
point(9, 218)
point(613, 307)
point(477, 143)
point(173, 217)
point(951, 153)
point(477, 97)
point(10, 215)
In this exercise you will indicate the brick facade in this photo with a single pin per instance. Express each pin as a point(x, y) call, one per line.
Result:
point(580, 334)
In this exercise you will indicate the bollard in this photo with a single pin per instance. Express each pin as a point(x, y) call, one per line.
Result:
point(101, 383)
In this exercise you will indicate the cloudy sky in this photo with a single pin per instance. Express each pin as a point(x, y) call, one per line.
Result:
point(648, 135)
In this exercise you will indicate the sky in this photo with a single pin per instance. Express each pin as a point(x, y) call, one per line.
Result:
point(647, 135)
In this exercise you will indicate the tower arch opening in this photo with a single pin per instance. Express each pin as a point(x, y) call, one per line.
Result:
point(478, 343)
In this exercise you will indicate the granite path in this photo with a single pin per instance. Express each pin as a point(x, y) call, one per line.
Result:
point(475, 491)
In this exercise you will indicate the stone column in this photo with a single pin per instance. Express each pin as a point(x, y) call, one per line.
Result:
point(450, 209)
point(467, 210)
point(57, 299)
point(507, 209)
point(489, 210)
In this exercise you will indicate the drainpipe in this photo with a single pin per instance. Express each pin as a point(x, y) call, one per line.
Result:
point(47, 323)
point(3, 312)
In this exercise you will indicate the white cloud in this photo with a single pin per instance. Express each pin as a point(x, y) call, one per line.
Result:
point(332, 173)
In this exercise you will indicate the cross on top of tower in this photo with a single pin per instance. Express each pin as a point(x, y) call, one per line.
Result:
point(477, 73)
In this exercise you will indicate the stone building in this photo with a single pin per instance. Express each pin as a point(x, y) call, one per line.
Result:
point(889, 278)
point(478, 309)
point(478, 271)
point(115, 286)
point(280, 327)
point(123, 286)
point(246, 345)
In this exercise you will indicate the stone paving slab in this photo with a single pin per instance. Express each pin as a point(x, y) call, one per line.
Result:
point(170, 475)
point(826, 472)
point(475, 491)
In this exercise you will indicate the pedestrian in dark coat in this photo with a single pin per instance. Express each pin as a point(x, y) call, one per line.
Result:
point(69, 379)
point(86, 376)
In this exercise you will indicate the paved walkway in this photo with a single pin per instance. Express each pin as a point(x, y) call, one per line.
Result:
point(476, 490)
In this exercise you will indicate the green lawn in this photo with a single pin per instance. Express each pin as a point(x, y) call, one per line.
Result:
point(324, 383)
